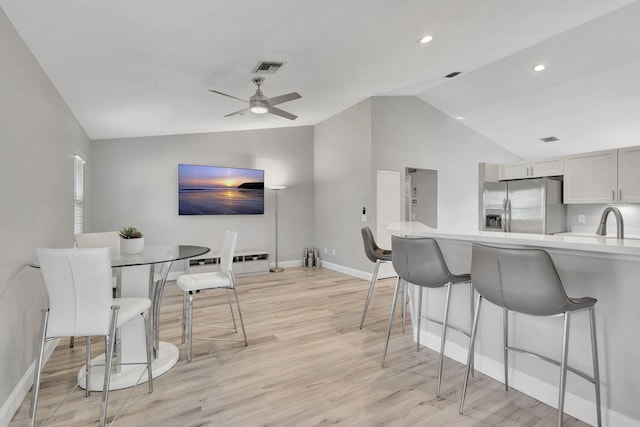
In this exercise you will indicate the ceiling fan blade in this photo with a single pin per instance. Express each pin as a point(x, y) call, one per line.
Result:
point(284, 98)
point(230, 96)
point(282, 113)
point(244, 110)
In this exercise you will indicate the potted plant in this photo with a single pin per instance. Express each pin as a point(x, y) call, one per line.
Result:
point(132, 240)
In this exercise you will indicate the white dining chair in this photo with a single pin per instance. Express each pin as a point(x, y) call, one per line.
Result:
point(191, 284)
point(103, 239)
point(81, 303)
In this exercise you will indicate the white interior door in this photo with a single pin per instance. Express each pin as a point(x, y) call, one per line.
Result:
point(388, 202)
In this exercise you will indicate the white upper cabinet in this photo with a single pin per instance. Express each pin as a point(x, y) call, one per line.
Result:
point(591, 177)
point(629, 174)
point(531, 169)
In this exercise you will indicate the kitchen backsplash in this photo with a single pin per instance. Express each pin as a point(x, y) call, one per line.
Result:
point(593, 213)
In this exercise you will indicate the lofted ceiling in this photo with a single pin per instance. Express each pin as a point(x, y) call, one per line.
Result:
point(139, 68)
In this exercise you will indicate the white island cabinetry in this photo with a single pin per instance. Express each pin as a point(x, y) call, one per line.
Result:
point(604, 268)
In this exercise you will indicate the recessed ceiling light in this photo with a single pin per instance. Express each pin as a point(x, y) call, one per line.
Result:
point(425, 39)
point(539, 67)
point(460, 117)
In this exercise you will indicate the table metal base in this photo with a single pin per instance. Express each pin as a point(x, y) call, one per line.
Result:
point(128, 374)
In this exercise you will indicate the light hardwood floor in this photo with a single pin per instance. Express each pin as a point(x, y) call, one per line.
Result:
point(307, 364)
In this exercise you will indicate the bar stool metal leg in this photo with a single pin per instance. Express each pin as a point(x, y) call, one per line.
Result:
point(596, 369)
point(374, 278)
point(405, 298)
point(563, 367)
point(393, 310)
point(419, 318)
point(444, 337)
point(505, 341)
point(474, 330)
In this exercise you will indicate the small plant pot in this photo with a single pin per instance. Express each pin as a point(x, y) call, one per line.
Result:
point(132, 246)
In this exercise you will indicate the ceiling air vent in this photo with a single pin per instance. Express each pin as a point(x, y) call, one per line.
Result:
point(265, 67)
point(549, 139)
point(452, 75)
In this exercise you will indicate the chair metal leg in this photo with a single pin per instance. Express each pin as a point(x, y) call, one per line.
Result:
point(108, 364)
point(419, 318)
point(148, 334)
point(184, 315)
point(240, 315)
point(474, 330)
point(596, 369)
point(372, 284)
point(190, 323)
point(444, 337)
point(87, 367)
point(393, 310)
point(505, 345)
point(233, 317)
point(38, 369)
point(563, 367)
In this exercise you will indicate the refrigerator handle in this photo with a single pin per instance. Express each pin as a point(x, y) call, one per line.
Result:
point(504, 215)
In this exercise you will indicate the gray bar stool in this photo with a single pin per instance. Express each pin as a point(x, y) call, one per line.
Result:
point(377, 255)
point(419, 261)
point(526, 281)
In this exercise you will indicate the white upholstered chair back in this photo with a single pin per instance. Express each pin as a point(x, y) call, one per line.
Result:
point(105, 239)
point(78, 282)
point(228, 251)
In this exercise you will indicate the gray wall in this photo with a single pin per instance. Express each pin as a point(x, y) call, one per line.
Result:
point(392, 133)
point(409, 132)
point(135, 183)
point(343, 185)
point(39, 136)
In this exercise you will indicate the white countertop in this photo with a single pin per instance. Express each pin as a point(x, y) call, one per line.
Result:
point(608, 245)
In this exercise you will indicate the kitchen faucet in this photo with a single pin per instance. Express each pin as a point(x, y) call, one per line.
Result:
point(602, 228)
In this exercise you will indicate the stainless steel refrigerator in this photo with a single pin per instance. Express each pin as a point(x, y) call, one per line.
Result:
point(524, 206)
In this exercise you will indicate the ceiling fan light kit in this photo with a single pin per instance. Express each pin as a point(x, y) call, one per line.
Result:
point(260, 104)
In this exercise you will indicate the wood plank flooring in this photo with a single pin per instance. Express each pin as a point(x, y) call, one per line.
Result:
point(307, 364)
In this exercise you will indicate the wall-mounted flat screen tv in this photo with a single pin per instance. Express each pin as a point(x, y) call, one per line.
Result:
point(214, 190)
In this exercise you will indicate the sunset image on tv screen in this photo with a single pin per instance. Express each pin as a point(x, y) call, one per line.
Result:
point(214, 190)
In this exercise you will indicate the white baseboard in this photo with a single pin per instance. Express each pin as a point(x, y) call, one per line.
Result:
point(19, 392)
point(575, 406)
point(346, 270)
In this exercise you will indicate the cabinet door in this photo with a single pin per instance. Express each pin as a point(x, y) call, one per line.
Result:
point(515, 170)
point(629, 174)
point(591, 177)
point(547, 167)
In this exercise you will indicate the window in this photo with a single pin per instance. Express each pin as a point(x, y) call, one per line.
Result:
point(78, 194)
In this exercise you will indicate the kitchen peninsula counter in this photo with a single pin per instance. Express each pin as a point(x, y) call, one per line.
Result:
point(604, 245)
point(605, 268)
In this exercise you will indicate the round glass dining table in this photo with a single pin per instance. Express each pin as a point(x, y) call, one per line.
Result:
point(140, 275)
point(144, 275)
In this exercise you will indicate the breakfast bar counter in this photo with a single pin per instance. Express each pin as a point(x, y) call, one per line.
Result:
point(605, 268)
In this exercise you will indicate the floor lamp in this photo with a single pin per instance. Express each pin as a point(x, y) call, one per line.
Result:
point(277, 188)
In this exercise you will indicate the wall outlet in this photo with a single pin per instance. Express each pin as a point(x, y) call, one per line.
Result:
point(333, 251)
point(581, 219)
point(325, 251)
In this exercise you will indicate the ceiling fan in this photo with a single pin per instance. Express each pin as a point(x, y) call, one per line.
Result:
point(260, 104)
